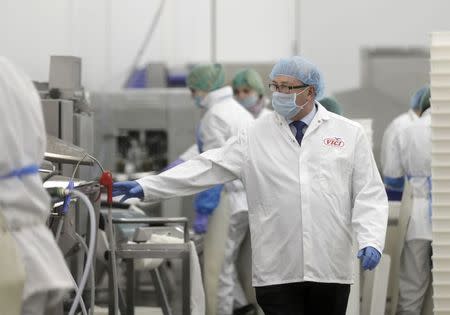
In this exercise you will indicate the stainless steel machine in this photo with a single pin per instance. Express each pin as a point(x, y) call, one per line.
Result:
point(143, 130)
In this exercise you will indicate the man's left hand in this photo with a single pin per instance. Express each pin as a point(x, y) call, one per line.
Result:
point(370, 257)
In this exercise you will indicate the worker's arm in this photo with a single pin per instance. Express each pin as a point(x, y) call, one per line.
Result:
point(213, 167)
point(370, 205)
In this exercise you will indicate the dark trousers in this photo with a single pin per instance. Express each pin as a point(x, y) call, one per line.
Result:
point(303, 298)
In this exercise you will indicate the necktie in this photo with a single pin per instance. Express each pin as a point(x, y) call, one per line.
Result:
point(299, 126)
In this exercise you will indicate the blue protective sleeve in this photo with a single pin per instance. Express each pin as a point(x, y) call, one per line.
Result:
point(395, 184)
point(207, 201)
point(394, 187)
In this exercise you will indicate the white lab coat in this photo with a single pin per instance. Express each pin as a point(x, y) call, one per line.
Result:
point(222, 120)
point(305, 202)
point(264, 112)
point(412, 158)
point(24, 202)
point(192, 151)
point(387, 158)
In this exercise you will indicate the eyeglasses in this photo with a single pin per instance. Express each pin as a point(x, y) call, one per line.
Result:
point(284, 88)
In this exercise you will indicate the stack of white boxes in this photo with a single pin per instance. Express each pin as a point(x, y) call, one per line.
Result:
point(440, 126)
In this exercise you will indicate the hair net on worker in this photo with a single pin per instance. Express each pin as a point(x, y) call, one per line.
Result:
point(301, 69)
point(206, 77)
point(23, 200)
point(424, 103)
point(250, 78)
point(331, 105)
point(415, 99)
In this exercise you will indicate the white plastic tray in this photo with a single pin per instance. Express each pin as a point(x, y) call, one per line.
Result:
point(440, 39)
point(440, 158)
point(440, 91)
point(440, 65)
point(439, 106)
point(440, 146)
point(440, 78)
point(440, 52)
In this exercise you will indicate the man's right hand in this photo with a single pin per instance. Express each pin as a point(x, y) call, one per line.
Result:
point(129, 189)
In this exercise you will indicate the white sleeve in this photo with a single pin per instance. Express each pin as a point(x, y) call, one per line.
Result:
point(212, 167)
point(370, 204)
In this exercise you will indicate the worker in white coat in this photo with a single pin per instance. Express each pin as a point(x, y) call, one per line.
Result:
point(311, 183)
point(248, 90)
point(413, 152)
point(387, 158)
point(24, 203)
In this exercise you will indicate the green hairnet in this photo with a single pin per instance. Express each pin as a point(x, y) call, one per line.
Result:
point(425, 100)
point(331, 105)
point(206, 77)
point(250, 78)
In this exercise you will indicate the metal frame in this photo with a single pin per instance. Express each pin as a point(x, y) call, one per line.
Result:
point(129, 252)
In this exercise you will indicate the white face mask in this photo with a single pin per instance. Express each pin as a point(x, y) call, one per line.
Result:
point(284, 104)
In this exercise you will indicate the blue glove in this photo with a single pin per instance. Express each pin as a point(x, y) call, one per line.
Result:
point(207, 201)
point(201, 223)
point(394, 188)
point(130, 189)
point(370, 257)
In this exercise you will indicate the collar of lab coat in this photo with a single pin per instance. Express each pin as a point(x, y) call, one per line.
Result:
point(216, 96)
point(412, 115)
point(321, 116)
point(426, 113)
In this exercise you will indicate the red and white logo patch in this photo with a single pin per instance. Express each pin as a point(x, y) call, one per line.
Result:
point(334, 142)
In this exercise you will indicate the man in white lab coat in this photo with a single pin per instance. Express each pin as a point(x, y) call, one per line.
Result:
point(388, 159)
point(311, 183)
point(413, 155)
point(24, 203)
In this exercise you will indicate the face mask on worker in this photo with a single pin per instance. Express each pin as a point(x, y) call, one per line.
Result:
point(284, 104)
point(249, 101)
point(198, 101)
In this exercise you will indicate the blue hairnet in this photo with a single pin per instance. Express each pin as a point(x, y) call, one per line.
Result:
point(301, 69)
point(415, 99)
point(424, 103)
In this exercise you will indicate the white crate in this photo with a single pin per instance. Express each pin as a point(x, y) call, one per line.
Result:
point(440, 52)
point(440, 66)
point(441, 158)
point(440, 105)
point(440, 39)
point(440, 78)
point(440, 91)
point(440, 146)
